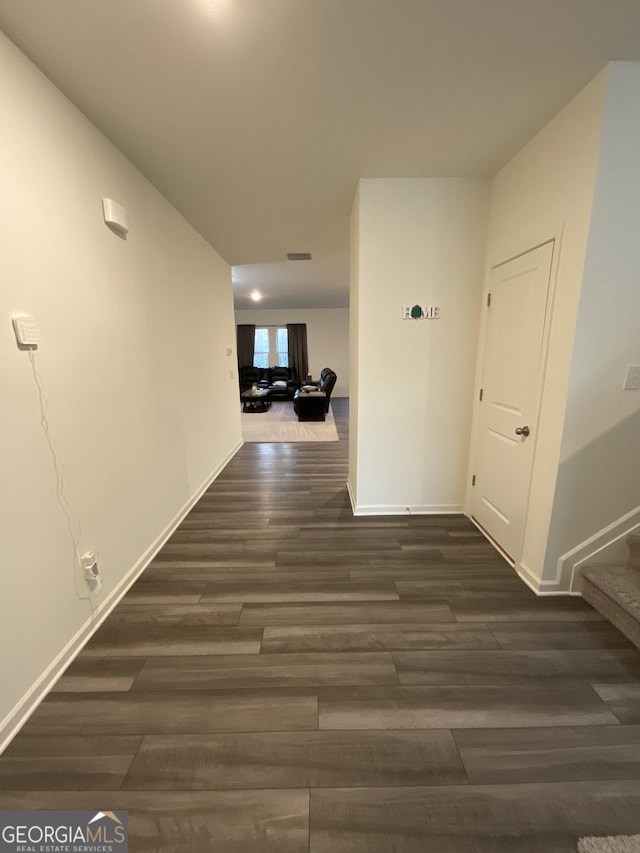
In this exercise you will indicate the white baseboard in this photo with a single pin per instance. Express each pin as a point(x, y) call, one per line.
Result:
point(416, 509)
point(352, 499)
point(541, 588)
point(20, 713)
point(493, 542)
point(606, 546)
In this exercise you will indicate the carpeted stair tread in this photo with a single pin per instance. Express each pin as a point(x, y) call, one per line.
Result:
point(610, 844)
point(633, 541)
point(622, 583)
point(615, 592)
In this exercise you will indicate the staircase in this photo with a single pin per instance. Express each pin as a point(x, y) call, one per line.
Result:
point(615, 591)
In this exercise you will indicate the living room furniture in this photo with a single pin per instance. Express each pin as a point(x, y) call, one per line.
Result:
point(282, 382)
point(323, 373)
point(311, 402)
point(325, 384)
point(258, 400)
point(310, 405)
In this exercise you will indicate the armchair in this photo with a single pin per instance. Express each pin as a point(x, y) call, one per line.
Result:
point(311, 403)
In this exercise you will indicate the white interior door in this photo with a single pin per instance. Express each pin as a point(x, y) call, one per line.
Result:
point(511, 388)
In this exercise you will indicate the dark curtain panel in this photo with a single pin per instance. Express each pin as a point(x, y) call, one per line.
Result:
point(245, 340)
point(297, 335)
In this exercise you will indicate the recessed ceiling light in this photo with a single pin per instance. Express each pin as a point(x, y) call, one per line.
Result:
point(256, 295)
point(213, 8)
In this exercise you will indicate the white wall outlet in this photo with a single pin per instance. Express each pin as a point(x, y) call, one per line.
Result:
point(90, 565)
point(91, 572)
point(26, 330)
point(632, 379)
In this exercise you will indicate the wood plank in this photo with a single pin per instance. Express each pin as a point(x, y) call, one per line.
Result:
point(176, 712)
point(274, 670)
point(296, 760)
point(100, 674)
point(175, 614)
point(459, 819)
point(376, 637)
point(511, 756)
point(563, 609)
point(515, 667)
point(326, 590)
point(261, 574)
point(273, 821)
point(559, 635)
point(434, 571)
point(456, 707)
point(171, 638)
point(43, 762)
point(348, 613)
point(466, 588)
point(161, 592)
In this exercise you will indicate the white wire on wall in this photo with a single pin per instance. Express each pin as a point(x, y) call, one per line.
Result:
point(74, 526)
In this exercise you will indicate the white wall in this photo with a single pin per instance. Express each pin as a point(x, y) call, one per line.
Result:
point(133, 359)
point(354, 337)
point(546, 191)
point(327, 337)
point(599, 476)
point(420, 241)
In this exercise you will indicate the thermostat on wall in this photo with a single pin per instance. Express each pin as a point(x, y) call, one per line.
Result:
point(115, 217)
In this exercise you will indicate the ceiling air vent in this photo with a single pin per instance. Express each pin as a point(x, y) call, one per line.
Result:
point(299, 256)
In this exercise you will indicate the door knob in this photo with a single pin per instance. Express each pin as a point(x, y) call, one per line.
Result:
point(523, 431)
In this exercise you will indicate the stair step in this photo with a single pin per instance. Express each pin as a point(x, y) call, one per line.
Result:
point(614, 591)
point(633, 541)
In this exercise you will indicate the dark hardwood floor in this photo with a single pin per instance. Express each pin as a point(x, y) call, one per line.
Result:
point(286, 678)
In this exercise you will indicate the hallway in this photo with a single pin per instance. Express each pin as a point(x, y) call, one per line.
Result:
point(286, 678)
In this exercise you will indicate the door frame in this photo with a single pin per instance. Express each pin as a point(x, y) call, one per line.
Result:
point(553, 236)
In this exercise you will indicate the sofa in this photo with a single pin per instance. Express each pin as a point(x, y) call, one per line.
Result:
point(311, 402)
point(282, 382)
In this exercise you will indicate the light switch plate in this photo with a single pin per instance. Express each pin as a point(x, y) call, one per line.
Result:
point(632, 379)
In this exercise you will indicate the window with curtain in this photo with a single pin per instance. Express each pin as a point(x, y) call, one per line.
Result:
point(282, 347)
point(261, 348)
point(271, 347)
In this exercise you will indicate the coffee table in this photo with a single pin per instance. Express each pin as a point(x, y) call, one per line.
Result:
point(256, 401)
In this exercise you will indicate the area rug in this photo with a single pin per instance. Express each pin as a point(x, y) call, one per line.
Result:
point(610, 844)
point(280, 423)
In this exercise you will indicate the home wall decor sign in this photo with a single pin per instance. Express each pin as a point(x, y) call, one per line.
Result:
point(417, 312)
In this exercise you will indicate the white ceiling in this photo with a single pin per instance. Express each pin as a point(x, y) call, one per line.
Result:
point(256, 118)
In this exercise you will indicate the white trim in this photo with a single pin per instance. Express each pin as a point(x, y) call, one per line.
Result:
point(492, 541)
point(20, 713)
point(352, 499)
point(531, 241)
point(541, 588)
point(600, 547)
point(416, 509)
